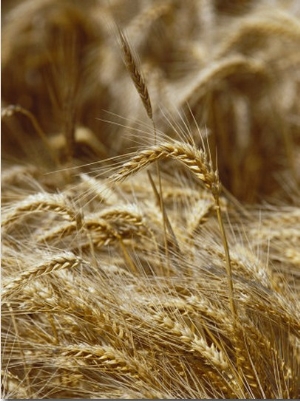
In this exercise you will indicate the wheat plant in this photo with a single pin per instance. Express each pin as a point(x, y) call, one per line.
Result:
point(150, 199)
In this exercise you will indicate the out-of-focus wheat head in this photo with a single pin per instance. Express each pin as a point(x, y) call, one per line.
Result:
point(171, 267)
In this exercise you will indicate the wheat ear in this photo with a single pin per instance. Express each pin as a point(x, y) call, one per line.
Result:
point(91, 225)
point(41, 202)
point(214, 359)
point(111, 359)
point(264, 27)
point(218, 71)
point(59, 262)
point(57, 233)
point(124, 217)
point(136, 75)
point(197, 162)
point(194, 159)
point(143, 20)
point(127, 214)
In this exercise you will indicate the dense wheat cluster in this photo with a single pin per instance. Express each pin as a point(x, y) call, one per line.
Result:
point(150, 199)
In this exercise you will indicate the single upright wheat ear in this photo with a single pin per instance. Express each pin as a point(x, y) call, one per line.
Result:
point(197, 162)
point(136, 75)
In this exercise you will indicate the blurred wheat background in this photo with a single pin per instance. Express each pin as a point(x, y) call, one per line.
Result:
point(150, 199)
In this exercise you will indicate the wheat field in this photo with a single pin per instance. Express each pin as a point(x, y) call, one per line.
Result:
point(150, 199)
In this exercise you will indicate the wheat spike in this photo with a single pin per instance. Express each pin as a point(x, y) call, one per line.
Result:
point(41, 202)
point(64, 261)
point(136, 75)
point(281, 26)
point(194, 159)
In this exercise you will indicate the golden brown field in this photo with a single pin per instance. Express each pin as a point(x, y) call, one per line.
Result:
point(150, 199)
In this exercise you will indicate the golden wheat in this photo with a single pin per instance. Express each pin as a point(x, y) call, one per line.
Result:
point(194, 159)
point(64, 261)
point(135, 74)
point(41, 202)
point(155, 256)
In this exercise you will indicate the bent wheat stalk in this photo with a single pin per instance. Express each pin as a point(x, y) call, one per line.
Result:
point(197, 162)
